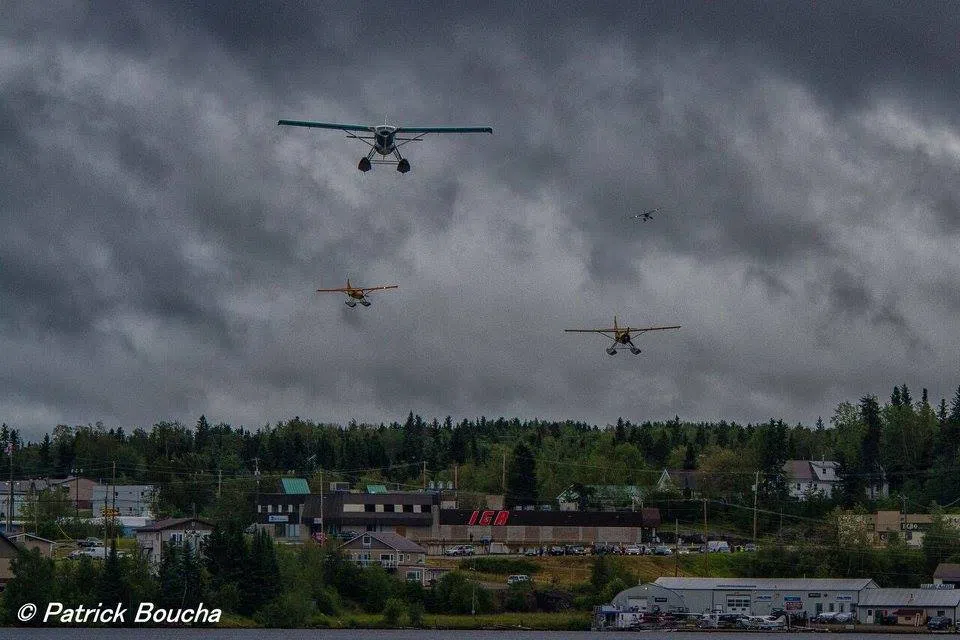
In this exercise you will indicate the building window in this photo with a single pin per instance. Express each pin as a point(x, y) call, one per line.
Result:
point(386, 557)
point(269, 508)
point(408, 508)
point(414, 575)
point(388, 508)
point(940, 612)
point(369, 508)
point(869, 612)
point(259, 507)
point(289, 508)
point(841, 607)
point(831, 606)
point(366, 541)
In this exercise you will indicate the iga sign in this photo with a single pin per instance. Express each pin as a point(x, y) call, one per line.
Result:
point(488, 518)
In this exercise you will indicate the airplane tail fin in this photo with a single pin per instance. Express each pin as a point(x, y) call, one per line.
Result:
point(615, 323)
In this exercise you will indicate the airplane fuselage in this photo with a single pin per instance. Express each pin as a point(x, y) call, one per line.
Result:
point(383, 139)
point(622, 337)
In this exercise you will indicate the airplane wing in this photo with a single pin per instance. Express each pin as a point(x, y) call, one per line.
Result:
point(341, 289)
point(325, 125)
point(642, 329)
point(444, 129)
point(380, 288)
point(603, 331)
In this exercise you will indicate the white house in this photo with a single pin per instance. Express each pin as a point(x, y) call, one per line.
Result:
point(807, 478)
point(181, 531)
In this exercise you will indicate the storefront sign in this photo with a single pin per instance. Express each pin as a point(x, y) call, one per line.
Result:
point(276, 518)
point(487, 518)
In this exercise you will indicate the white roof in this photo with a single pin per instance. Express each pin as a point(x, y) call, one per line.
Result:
point(907, 598)
point(768, 584)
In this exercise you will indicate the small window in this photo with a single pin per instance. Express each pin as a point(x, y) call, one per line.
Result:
point(388, 508)
point(869, 612)
point(385, 557)
point(369, 508)
point(831, 606)
point(941, 612)
point(289, 508)
point(269, 508)
point(408, 508)
point(366, 541)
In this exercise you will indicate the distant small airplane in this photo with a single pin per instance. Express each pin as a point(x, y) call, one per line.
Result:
point(357, 294)
point(646, 215)
point(621, 335)
point(385, 139)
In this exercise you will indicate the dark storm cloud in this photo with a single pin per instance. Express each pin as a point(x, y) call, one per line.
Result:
point(164, 237)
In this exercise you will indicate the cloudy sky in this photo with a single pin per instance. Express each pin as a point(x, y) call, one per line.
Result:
point(162, 236)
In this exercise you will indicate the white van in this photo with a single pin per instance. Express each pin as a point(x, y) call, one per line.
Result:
point(718, 546)
point(517, 579)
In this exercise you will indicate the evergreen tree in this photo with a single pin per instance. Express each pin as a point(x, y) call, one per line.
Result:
point(262, 575)
point(521, 478)
point(112, 586)
point(870, 445)
point(34, 581)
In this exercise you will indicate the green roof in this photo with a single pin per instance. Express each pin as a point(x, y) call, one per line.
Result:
point(376, 488)
point(296, 486)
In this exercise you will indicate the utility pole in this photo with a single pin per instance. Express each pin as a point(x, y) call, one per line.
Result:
point(219, 481)
point(114, 509)
point(705, 536)
point(323, 531)
point(424, 463)
point(256, 472)
point(676, 548)
point(503, 473)
point(456, 470)
point(10, 496)
point(756, 490)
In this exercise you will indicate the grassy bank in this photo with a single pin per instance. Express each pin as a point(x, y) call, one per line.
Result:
point(569, 621)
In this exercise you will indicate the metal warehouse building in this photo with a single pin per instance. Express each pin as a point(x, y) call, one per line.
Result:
point(755, 596)
point(911, 606)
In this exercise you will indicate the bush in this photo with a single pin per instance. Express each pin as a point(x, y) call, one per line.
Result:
point(415, 613)
point(520, 597)
point(292, 609)
point(506, 566)
point(454, 593)
point(393, 611)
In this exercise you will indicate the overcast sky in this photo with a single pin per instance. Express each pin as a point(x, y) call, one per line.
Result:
point(162, 237)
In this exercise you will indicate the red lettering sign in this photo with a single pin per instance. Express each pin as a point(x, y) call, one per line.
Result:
point(487, 518)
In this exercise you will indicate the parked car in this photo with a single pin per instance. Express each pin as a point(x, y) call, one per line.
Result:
point(662, 550)
point(718, 546)
point(887, 619)
point(844, 618)
point(576, 550)
point(750, 547)
point(633, 550)
point(939, 622)
point(517, 579)
point(454, 551)
point(100, 552)
point(90, 542)
point(556, 551)
point(531, 552)
point(826, 617)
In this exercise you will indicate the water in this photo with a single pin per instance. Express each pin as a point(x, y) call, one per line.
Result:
point(352, 634)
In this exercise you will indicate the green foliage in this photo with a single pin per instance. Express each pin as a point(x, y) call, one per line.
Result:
point(455, 593)
point(33, 582)
point(290, 610)
point(393, 611)
point(378, 587)
point(520, 597)
point(415, 613)
point(504, 566)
